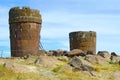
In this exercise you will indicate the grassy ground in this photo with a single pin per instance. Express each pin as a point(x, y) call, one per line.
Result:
point(59, 72)
point(105, 72)
point(7, 74)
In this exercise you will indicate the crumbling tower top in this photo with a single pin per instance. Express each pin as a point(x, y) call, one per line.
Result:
point(24, 15)
point(25, 27)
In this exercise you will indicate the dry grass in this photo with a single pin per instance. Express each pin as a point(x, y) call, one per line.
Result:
point(58, 72)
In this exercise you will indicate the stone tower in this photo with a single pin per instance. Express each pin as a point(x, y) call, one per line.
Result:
point(83, 40)
point(25, 27)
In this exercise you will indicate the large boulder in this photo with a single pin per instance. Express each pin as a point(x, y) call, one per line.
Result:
point(46, 61)
point(113, 54)
point(76, 52)
point(53, 53)
point(115, 59)
point(58, 52)
point(89, 52)
point(27, 56)
point(77, 63)
point(19, 68)
point(96, 74)
point(104, 54)
point(62, 52)
point(50, 53)
point(95, 59)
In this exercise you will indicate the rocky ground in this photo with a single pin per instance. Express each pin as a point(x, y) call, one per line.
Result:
point(62, 65)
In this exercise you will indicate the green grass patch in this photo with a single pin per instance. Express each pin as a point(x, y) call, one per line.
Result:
point(56, 69)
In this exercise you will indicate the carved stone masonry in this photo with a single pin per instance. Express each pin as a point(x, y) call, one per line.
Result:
point(25, 27)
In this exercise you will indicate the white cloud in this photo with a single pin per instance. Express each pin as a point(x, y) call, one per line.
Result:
point(58, 24)
point(64, 23)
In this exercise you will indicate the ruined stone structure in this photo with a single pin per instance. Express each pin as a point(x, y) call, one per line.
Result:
point(83, 40)
point(25, 26)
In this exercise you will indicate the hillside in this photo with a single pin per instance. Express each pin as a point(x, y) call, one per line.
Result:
point(44, 67)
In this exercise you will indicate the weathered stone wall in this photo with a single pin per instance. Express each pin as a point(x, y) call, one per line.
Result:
point(24, 15)
point(83, 40)
point(25, 26)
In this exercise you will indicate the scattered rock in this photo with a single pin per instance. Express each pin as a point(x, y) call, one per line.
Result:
point(27, 56)
point(95, 59)
point(63, 58)
point(116, 75)
point(115, 59)
point(77, 64)
point(46, 61)
point(113, 54)
point(86, 73)
point(65, 53)
point(19, 68)
point(91, 59)
point(96, 74)
point(50, 53)
point(85, 62)
point(104, 54)
point(76, 52)
point(66, 67)
point(89, 52)
point(58, 52)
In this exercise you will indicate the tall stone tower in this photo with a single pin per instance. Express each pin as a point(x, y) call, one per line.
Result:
point(83, 40)
point(25, 27)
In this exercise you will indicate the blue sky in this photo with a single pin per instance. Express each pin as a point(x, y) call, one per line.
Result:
point(60, 17)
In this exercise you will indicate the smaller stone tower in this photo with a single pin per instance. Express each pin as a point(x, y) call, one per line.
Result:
point(83, 40)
